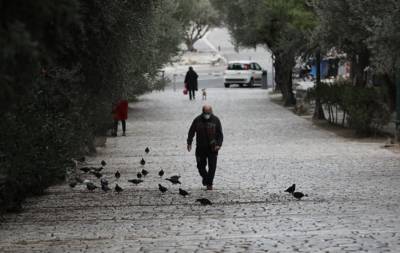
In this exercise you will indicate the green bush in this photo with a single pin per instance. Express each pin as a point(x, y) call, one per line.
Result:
point(362, 108)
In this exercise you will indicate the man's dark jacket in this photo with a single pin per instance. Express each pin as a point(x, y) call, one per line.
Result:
point(208, 134)
point(191, 80)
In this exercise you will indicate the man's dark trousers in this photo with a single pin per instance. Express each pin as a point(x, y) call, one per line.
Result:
point(202, 160)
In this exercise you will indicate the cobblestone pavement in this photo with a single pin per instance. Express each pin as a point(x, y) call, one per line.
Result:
point(353, 187)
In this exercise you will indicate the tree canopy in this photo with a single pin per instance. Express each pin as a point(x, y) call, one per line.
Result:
point(198, 17)
point(282, 26)
point(63, 64)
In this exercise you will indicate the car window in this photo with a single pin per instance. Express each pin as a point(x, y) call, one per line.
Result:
point(238, 66)
point(257, 66)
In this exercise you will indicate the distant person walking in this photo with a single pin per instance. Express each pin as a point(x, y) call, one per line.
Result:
point(191, 83)
point(209, 137)
point(120, 113)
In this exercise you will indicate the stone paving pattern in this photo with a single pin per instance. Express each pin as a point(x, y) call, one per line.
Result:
point(353, 187)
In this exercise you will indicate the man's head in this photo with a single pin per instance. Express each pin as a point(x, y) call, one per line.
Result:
point(190, 68)
point(207, 111)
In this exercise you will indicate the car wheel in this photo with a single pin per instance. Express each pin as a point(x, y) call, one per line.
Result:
point(251, 83)
point(227, 85)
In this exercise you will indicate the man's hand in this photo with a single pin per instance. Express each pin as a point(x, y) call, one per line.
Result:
point(189, 148)
point(217, 148)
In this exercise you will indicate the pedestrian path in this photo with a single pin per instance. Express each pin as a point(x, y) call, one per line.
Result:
point(353, 203)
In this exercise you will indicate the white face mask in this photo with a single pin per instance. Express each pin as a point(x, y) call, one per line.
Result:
point(206, 115)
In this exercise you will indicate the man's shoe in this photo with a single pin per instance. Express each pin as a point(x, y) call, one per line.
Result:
point(209, 187)
point(123, 134)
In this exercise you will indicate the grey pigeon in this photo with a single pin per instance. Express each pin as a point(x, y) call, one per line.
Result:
point(139, 175)
point(85, 169)
point(135, 181)
point(204, 201)
point(118, 189)
point(105, 188)
point(142, 162)
point(299, 195)
point(291, 188)
point(90, 186)
point(161, 173)
point(183, 192)
point(175, 177)
point(173, 180)
point(72, 184)
point(104, 181)
point(103, 163)
point(147, 150)
point(117, 175)
point(144, 172)
point(162, 188)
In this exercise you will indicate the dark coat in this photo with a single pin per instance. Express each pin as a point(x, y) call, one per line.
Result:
point(208, 134)
point(191, 80)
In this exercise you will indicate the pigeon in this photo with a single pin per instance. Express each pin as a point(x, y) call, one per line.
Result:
point(72, 184)
point(173, 180)
point(85, 169)
point(139, 175)
point(135, 181)
point(103, 163)
point(204, 201)
point(117, 175)
point(105, 187)
point(144, 172)
point(291, 188)
point(147, 150)
point(299, 195)
point(162, 188)
point(161, 173)
point(97, 174)
point(104, 181)
point(183, 192)
point(142, 162)
point(90, 186)
point(118, 189)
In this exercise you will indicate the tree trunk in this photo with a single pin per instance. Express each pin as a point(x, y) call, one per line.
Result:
point(283, 79)
point(190, 45)
point(318, 111)
point(358, 64)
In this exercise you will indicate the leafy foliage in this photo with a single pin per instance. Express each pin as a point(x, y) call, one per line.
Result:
point(198, 17)
point(361, 108)
point(282, 26)
point(63, 63)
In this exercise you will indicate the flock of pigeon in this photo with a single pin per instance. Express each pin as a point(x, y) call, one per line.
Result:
point(96, 171)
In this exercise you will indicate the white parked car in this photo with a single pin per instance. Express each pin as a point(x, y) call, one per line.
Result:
point(243, 73)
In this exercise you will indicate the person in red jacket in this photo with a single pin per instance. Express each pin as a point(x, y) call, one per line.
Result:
point(120, 113)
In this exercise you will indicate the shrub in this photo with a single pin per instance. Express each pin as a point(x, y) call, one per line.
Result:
point(362, 108)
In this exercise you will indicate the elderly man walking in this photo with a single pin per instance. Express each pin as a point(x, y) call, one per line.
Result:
point(209, 137)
